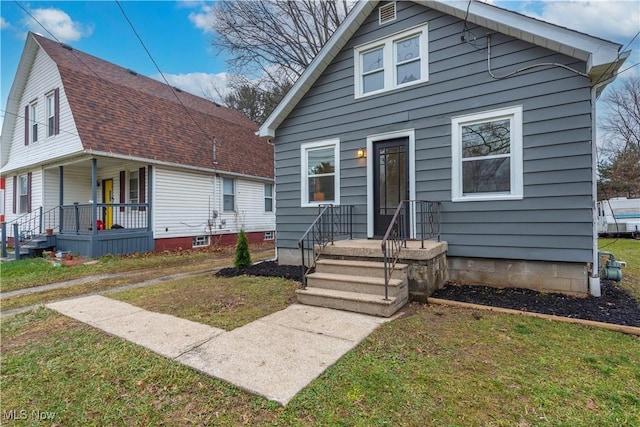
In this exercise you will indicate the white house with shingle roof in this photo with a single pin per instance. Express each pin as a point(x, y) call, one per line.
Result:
point(115, 162)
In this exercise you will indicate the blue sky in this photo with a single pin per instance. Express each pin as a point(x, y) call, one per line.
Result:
point(177, 33)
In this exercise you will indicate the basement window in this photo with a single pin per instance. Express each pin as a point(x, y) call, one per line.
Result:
point(269, 235)
point(200, 241)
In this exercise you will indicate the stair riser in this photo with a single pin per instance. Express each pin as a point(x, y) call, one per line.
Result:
point(349, 305)
point(362, 288)
point(359, 271)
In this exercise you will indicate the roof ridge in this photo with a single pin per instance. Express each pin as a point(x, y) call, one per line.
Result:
point(114, 73)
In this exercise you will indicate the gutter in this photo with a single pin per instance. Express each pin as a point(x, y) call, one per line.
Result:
point(176, 165)
point(594, 277)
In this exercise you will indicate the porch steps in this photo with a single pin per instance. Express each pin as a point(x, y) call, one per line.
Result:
point(354, 285)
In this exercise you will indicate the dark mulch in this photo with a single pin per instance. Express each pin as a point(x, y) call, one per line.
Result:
point(267, 269)
point(614, 306)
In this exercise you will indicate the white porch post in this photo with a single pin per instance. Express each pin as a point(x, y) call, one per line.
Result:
point(94, 195)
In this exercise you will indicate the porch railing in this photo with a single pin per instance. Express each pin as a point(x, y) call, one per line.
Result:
point(427, 221)
point(33, 224)
point(331, 222)
point(77, 218)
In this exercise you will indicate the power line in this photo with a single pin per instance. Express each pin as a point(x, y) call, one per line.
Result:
point(160, 71)
point(612, 65)
point(45, 124)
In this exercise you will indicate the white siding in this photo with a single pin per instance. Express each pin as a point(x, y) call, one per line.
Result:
point(36, 194)
point(186, 202)
point(43, 78)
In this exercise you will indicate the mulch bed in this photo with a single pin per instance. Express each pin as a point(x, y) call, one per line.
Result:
point(614, 306)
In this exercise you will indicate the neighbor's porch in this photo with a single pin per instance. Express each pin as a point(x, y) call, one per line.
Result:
point(87, 220)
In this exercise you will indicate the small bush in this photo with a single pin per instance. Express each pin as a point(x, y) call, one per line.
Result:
point(242, 257)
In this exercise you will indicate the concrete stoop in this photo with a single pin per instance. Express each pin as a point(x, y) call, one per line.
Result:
point(357, 286)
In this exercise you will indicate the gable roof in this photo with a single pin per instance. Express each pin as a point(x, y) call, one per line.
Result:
point(120, 113)
point(603, 58)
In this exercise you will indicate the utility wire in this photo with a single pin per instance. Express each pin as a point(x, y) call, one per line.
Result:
point(160, 71)
point(610, 67)
point(45, 124)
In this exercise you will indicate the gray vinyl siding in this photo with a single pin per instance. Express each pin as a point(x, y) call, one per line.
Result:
point(553, 222)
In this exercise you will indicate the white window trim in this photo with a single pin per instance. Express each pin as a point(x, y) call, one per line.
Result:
point(233, 180)
point(137, 189)
point(33, 121)
point(268, 197)
point(200, 241)
point(405, 133)
point(50, 104)
point(304, 186)
point(389, 60)
point(20, 195)
point(514, 114)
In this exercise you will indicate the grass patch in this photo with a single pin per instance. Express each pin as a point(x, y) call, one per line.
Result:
point(442, 366)
point(35, 271)
point(225, 303)
point(625, 250)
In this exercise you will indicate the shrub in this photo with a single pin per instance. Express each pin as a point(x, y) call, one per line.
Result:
point(242, 257)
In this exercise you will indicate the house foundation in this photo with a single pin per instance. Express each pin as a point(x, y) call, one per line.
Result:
point(543, 276)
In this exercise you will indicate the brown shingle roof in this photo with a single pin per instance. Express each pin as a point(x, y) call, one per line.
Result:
point(123, 113)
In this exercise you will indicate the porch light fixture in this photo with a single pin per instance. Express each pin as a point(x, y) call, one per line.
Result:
point(361, 153)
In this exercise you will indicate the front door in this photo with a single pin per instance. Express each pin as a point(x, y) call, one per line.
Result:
point(390, 181)
point(107, 198)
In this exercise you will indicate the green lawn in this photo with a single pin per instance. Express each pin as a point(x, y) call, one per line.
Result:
point(32, 272)
point(441, 366)
point(625, 250)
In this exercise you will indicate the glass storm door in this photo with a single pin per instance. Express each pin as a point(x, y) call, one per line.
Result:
point(390, 181)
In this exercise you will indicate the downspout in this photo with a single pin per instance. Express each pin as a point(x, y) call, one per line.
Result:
point(594, 277)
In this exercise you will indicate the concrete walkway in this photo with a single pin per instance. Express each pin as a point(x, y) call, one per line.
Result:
point(275, 357)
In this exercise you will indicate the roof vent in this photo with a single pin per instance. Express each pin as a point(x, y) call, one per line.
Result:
point(387, 13)
point(66, 46)
point(177, 89)
point(133, 73)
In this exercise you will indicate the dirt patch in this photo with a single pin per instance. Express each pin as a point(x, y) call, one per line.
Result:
point(35, 332)
point(614, 306)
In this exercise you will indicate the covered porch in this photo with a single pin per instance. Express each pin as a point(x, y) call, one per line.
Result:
point(78, 212)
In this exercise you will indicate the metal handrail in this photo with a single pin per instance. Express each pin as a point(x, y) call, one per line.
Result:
point(331, 222)
point(427, 215)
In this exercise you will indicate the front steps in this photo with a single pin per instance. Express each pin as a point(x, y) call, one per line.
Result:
point(355, 285)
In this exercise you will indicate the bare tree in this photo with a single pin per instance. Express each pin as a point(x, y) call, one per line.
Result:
point(272, 42)
point(619, 168)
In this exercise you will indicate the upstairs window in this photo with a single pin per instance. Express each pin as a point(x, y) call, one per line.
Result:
point(395, 62)
point(228, 195)
point(487, 155)
point(51, 114)
point(33, 116)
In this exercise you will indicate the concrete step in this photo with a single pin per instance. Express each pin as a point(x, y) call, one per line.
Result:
point(358, 284)
point(351, 301)
point(359, 268)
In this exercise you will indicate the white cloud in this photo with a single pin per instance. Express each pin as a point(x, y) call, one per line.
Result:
point(59, 23)
point(4, 24)
point(199, 84)
point(204, 18)
point(615, 20)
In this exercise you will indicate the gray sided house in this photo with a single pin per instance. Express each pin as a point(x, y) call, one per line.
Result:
point(489, 112)
point(113, 162)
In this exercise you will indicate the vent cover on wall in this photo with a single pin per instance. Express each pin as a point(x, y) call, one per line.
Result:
point(387, 13)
